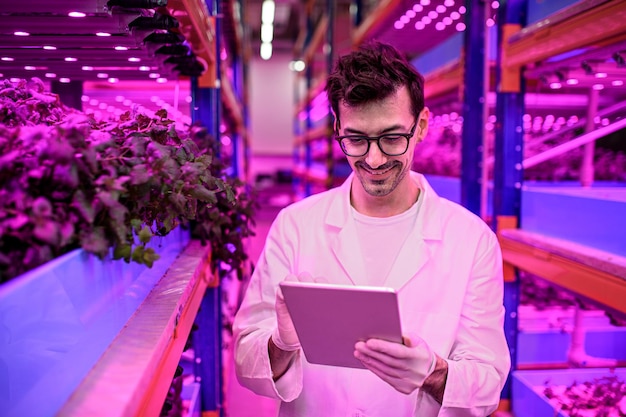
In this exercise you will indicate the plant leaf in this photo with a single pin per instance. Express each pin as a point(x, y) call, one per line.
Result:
point(145, 234)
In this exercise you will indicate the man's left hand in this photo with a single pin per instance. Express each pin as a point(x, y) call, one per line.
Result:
point(403, 366)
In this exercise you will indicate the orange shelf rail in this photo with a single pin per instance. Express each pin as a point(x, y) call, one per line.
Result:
point(601, 24)
point(595, 274)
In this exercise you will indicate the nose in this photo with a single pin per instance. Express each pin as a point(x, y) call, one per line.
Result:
point(375, 157)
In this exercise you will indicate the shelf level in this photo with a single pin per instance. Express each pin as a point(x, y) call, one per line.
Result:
point(134, 374)
point(603, 23)
point(592, 273)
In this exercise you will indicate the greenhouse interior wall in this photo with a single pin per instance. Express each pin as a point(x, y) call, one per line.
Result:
point(111, 334)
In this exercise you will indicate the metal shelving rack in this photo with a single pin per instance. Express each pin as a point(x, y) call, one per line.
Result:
point(317, 160)
point(36, 39)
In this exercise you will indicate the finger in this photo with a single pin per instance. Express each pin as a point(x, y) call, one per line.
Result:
point(292, 278)
point(406, 341)
point(305, 277)
point(391, 349)
point(373, 356)
point(381, 369)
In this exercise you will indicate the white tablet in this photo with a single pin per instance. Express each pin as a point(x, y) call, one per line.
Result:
point(329, 319)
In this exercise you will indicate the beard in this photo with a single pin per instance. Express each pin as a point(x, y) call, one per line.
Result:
point(391, 174)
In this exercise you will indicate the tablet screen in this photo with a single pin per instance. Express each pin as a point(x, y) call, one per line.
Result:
point(329, 319)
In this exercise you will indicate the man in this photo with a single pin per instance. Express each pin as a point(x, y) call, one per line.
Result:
point(384, 226)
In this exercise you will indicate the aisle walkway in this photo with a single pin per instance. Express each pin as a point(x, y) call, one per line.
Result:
point(239, 401)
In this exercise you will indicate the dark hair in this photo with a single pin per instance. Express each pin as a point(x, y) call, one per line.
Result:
point(372, 73)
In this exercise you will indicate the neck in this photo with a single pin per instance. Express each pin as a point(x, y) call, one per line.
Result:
point(398, 201)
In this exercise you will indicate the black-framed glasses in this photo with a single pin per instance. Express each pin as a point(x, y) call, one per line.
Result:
point(391, 144)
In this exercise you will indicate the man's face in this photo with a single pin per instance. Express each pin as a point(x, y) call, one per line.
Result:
point(378, 173)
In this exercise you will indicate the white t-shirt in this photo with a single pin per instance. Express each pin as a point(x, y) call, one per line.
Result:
point(381, 238)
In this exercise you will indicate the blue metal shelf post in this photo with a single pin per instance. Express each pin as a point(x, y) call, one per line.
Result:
point(207, 340)
point(473, 101)
point(509, 143)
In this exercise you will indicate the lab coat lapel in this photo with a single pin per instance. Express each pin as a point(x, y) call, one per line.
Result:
point(347, 249)
point(344, 242)
point(418, 248)
point(413, 256)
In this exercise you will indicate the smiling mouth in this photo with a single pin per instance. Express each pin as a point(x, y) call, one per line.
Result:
point(377, 172)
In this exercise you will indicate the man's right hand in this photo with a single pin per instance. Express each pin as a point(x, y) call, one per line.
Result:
point(284, 336)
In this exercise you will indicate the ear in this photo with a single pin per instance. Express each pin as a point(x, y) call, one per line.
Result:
point(422, 123)
point(335, 121)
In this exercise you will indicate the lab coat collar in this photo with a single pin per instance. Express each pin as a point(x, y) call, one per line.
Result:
point(416, 251)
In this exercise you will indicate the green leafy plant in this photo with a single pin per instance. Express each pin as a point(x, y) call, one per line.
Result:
point(70, 181)
point(226, 223)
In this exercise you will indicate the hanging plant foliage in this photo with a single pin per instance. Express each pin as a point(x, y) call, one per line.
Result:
point(68, 181)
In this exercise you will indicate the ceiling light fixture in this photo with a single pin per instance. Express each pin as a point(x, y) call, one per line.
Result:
point(76, 14)
point(266, 51)
point(268, 10)
point(49, 48)
point(20, 33)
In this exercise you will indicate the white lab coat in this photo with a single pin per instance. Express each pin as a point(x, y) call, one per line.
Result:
point(449, 278)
